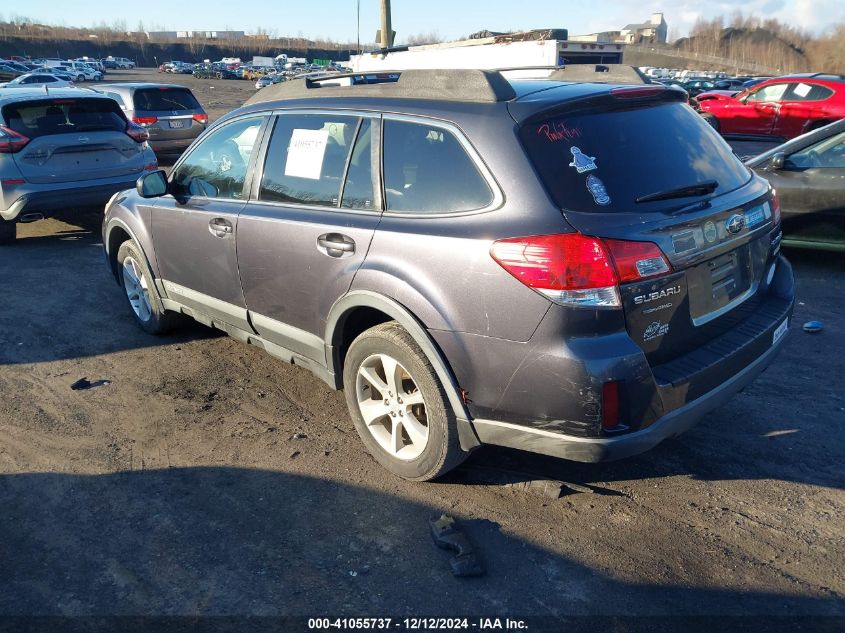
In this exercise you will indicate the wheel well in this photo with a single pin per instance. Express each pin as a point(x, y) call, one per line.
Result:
point(117, 236)
point(354, 323)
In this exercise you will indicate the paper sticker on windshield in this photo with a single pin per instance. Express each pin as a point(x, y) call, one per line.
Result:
point(305, 153)
point(596, 187)
point(581, 161)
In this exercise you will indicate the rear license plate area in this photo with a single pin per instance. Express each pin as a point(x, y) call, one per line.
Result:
point(718, 283)
point(177, 123)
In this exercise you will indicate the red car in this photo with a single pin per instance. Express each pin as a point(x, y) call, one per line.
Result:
point(783, 107)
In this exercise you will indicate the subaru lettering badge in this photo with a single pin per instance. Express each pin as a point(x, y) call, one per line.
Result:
point(735, 223)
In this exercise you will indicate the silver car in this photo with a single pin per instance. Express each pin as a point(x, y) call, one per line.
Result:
point(171, 114)
point(66, 150)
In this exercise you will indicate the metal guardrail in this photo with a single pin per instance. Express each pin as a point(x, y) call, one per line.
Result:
point(725, 62)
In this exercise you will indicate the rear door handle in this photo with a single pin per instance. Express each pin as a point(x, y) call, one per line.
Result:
point(336, 245)
point(220, 227)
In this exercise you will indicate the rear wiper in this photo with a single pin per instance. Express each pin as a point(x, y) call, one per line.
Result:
point(700, 189)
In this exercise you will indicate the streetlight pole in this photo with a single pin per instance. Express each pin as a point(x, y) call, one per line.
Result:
point(359, 27)
point(386, 30)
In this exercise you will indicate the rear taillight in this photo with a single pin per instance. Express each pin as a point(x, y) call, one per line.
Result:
point(201, 118)
point(570, 268)
point(637, 260)
point(578, 270)
point(636, 92)
point(144, 120)
point(137, 133)
point(775, 204)
point(11, 141)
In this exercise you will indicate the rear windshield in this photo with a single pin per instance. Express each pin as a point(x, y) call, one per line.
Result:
point(603, 161)
point(63, 116)
point(159, 99)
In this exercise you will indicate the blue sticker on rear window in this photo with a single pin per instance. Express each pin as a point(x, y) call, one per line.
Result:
point(754, 216)
point(597, 189)
point(580, 161)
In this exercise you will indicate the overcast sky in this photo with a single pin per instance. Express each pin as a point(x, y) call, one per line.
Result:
point(336, 19)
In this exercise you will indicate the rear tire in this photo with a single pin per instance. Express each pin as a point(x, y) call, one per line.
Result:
point(399, 407)
point(140, 291)
point(8, 232)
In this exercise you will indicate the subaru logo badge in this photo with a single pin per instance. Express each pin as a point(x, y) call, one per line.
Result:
point(735, 223)
point(82, 139)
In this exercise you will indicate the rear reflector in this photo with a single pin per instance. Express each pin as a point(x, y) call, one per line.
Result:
point(13, 181)
point(637, 260)
point(11, 141)
point(144, 120)
point(201, 118)
point(151, 167)
point(610, 405)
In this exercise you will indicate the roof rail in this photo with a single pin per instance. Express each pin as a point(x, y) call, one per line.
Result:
point(487, 86)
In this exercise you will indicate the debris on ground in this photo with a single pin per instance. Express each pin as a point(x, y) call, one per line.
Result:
point(84, 383)
point(447, 535)
point(811, 327)
point(525, 482)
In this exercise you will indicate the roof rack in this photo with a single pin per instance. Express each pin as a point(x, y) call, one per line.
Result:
point(487, 86)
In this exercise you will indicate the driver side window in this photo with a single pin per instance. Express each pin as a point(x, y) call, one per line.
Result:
point(217, 167)
point(770, 93)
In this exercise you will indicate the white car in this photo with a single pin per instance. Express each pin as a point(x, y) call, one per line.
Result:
point(82, 72)
point(36, 79)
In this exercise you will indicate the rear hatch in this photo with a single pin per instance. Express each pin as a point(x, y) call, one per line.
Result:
point(638, 165)
point(169, 112)
point(73, 139)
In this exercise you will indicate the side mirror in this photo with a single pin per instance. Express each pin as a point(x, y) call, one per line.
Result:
point(777, 161)
point(152, 185)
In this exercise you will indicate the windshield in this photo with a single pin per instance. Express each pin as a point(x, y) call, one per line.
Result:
point(603, 161)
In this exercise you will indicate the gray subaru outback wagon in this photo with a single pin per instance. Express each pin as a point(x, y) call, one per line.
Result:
point(575, 269)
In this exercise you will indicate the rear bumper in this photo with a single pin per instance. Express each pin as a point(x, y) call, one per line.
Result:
point(586, 449)
point(69, 199)
point(164, 146)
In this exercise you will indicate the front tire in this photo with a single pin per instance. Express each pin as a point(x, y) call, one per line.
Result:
point(398, 405)
point(141, 295)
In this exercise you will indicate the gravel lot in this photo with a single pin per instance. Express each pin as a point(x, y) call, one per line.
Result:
point(208, 478)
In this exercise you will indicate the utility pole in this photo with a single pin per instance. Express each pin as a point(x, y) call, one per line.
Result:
point(359, 28)
point(386, 29)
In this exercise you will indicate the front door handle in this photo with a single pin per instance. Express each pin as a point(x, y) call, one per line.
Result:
point(336, 245)
point(220, 227)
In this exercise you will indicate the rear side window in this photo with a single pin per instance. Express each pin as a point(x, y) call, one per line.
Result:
point(63, 116)
point(427, 170)
point(808, 92)
point(160, 99)
point(602, 161)
point(307, 158)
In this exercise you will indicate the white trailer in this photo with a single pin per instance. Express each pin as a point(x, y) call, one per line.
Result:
point(490, 53)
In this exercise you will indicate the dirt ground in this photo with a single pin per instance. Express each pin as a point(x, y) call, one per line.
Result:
point(207, 478)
